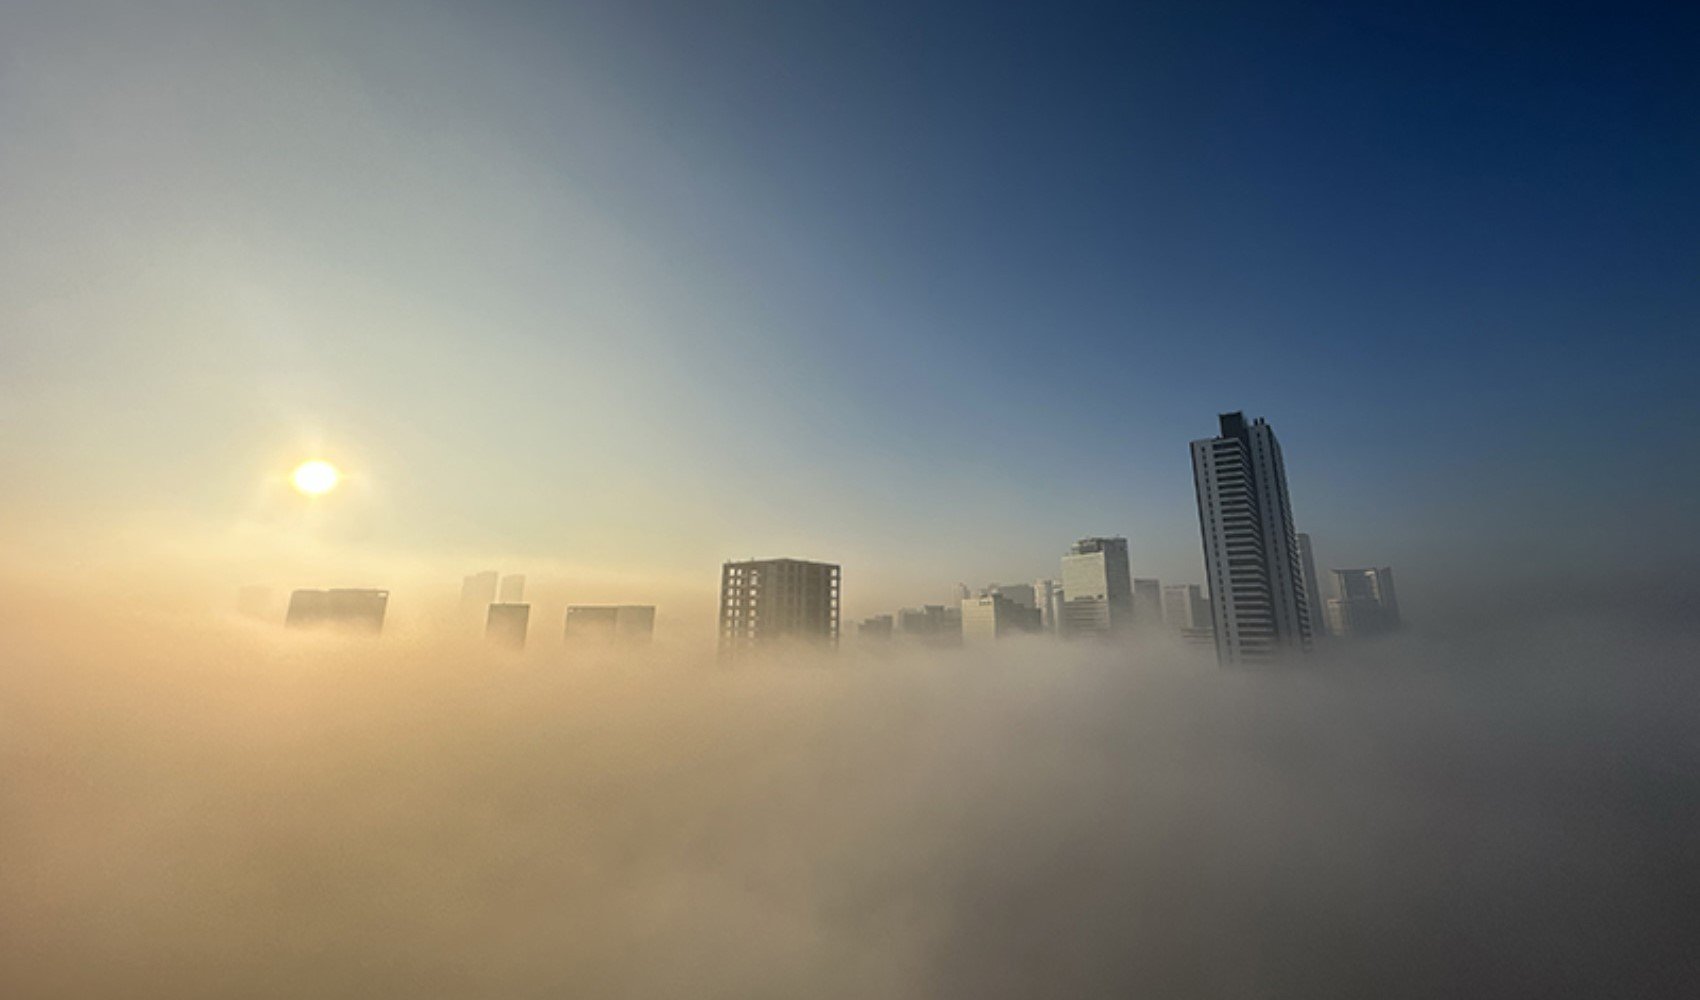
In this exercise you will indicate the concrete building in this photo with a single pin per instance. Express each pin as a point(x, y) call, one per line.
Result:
point(1251, 556)
point(1367, 603)
point(350, 609)
point(1021, 593)
point(1314, 598)
point(1185, 607)
point(1147, 605)
point(993, 616)
point(608, 624)
point(1048, 595)
point(1097, 589)
point(1186, 612)
point(767, 601)
point(513, 589)
point(506, 624)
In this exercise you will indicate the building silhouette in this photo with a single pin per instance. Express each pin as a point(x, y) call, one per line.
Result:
point(1147, 605)
point(512, 590)
point(993, 616)
point(773, 601)
point(1048, 595)
point(506, 624)
point(608, 624)
point(349, 609)
point(1186, 612)
point(1314, 600)
point(1367, 604)
point(1251, 556)
point(932, 624)
point(1097, 589)
point(875, 627)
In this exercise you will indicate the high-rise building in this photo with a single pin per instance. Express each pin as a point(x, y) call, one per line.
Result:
point(513, 589)
point(1097, 589)
point(993, 616)
point(1048, 595)
point(1313, 587)
point(1367, 603)
point(1251, 556)
point(1147, 605)
point(764, 601)
point(506, 624)
point(477, 593)
point(350, 609)
point(589, 624)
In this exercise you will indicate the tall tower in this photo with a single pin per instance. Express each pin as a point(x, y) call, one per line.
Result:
point(769, 600)
point(1251, 553)
point(1097, 589)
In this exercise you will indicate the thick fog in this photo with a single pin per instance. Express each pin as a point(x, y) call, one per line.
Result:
point(226, 810)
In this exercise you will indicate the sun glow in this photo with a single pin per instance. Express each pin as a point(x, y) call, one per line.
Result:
point(315, 478)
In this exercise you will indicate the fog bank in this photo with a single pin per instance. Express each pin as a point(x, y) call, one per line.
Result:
point(235, 811)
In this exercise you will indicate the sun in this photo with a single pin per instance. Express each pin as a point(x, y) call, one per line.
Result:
point(315, 478)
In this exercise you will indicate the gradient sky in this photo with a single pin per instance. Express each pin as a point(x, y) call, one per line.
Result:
point(613, 292)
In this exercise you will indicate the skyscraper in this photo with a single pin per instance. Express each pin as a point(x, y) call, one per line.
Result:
point(1251, 556)
point(353, 610)
point(1097, 589)
point(513, 589)
point(506, 624)
point(764, 601)
point(1313, 587)
point(1367, 603)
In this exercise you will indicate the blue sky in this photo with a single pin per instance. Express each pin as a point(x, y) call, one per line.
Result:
point(929, 289)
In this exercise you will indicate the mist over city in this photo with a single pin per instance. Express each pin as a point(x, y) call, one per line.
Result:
point(671, 499)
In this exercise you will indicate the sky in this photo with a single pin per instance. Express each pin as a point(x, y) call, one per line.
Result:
point(610, 293)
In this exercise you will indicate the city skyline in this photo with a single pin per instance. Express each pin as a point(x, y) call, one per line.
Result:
point(602, 283)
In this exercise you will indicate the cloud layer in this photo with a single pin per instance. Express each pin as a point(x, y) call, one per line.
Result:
point(238, 812)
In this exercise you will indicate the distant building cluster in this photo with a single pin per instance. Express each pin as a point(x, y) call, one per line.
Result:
point(1261, 601)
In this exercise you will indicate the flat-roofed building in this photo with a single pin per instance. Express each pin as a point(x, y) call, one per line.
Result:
point(993, 616)
point(764, 602)
point(354, 610)
point(506, 624)
point(610, 623)
point(1097, 589)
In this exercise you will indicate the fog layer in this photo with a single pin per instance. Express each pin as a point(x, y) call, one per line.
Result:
point(234, 811)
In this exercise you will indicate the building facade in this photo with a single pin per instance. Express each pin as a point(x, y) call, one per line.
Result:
point(1314, 599)
point(1367, 603)
point(993, 616)
point(1251, 554)
point(769, 601)
point(506, 624)
point(1097, 589)
point(1147, 605)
